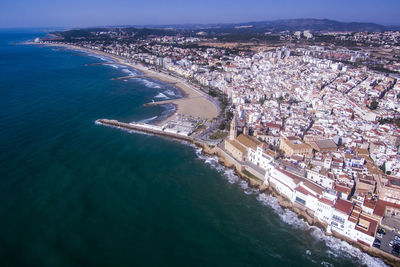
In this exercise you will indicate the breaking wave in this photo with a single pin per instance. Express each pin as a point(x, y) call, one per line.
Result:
point(149, 119)
point(229, 174)
point(127, 71)
point(169, 92)
point(337, 247)
point(149, 84)
point(161, 95)
point(103, 58)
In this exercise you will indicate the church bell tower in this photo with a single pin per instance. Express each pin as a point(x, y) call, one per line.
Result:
point(233, 130)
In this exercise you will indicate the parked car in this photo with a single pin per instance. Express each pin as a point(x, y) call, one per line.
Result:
point(391, 243)
point(377, 243)
point(379, 235)
point(396, 250)
point(381, 231)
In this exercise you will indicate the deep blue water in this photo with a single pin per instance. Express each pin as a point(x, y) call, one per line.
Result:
point(73, 193)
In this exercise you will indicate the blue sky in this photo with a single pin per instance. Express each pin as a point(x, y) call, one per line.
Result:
point(84, 13)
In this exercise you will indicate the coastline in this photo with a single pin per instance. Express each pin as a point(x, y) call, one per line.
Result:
point(389, 259)
point(193, 102)
point(286, 204)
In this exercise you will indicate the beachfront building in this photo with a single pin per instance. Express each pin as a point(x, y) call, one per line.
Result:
point(307, 195)
point(316, 200)
point(284, 182)
point(321, 177)
point(341, 213)
point(349, 221)
point(246, 148)
point(263, 157)
point(324, 209)
point(238, 151)
point(251, 144)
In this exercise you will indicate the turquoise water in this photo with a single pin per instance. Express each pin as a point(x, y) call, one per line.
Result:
point(73, 193)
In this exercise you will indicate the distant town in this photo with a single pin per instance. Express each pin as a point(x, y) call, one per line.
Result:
point(314, 115)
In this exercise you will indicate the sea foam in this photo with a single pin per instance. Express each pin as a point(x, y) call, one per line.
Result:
point(149, 84)
point(337, 247)
point(161, 95)
point(149, 119)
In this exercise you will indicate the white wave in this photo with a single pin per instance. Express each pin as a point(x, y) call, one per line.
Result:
point(127, 71)
point(114, 66)
point(161, 95)
point(169, 92)
point(327, 264)
point(286, 215)
point(227, 173)
point(149, 119)
point(231, 176)
point(149, 84)
point(337, 247)
point(340, 248)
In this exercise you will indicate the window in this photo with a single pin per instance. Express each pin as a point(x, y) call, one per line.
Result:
point(301, 201)
point(338, 219)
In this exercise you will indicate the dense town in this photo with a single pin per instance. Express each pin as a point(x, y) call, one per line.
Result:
point(321, 127)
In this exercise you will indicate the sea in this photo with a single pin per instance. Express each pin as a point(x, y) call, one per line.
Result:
point(74, 193)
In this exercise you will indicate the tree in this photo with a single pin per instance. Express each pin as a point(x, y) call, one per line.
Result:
point(261, 100)
point(340, 141)
point(374, 104)
point(212, 92)
point(222, 125)
point(383, 167)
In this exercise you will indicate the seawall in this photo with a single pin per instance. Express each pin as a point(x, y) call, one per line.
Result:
point(139, 128)
point(228, 161)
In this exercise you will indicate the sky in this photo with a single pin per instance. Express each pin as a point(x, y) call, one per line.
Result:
point(87, 13)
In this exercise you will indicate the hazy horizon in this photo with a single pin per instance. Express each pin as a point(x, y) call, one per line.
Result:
point(45, 13)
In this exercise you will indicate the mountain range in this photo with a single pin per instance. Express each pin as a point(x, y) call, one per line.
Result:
point(275, 26)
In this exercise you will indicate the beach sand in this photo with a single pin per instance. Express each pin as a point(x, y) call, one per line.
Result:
point(193, 103)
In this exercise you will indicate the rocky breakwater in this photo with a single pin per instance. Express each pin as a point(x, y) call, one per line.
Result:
point(145, 128)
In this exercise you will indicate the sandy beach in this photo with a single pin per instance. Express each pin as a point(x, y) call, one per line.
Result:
point(193, 103)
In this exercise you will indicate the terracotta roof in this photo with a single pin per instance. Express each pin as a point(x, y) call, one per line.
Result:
point(272, 125)
point(303, 190)
point(327, 201)
point(381, 206)
point(296, 179)
point(314, 187)
point(237, 146)
point(248, 141)
point(342, 189)
point(373, 224)
point(324, 144)
point(369, 203)
point(352, 219)
point(344, 206)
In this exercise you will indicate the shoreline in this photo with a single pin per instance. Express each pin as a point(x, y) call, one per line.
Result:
point(211, 151)
point(286, 204)
point(192, 102)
